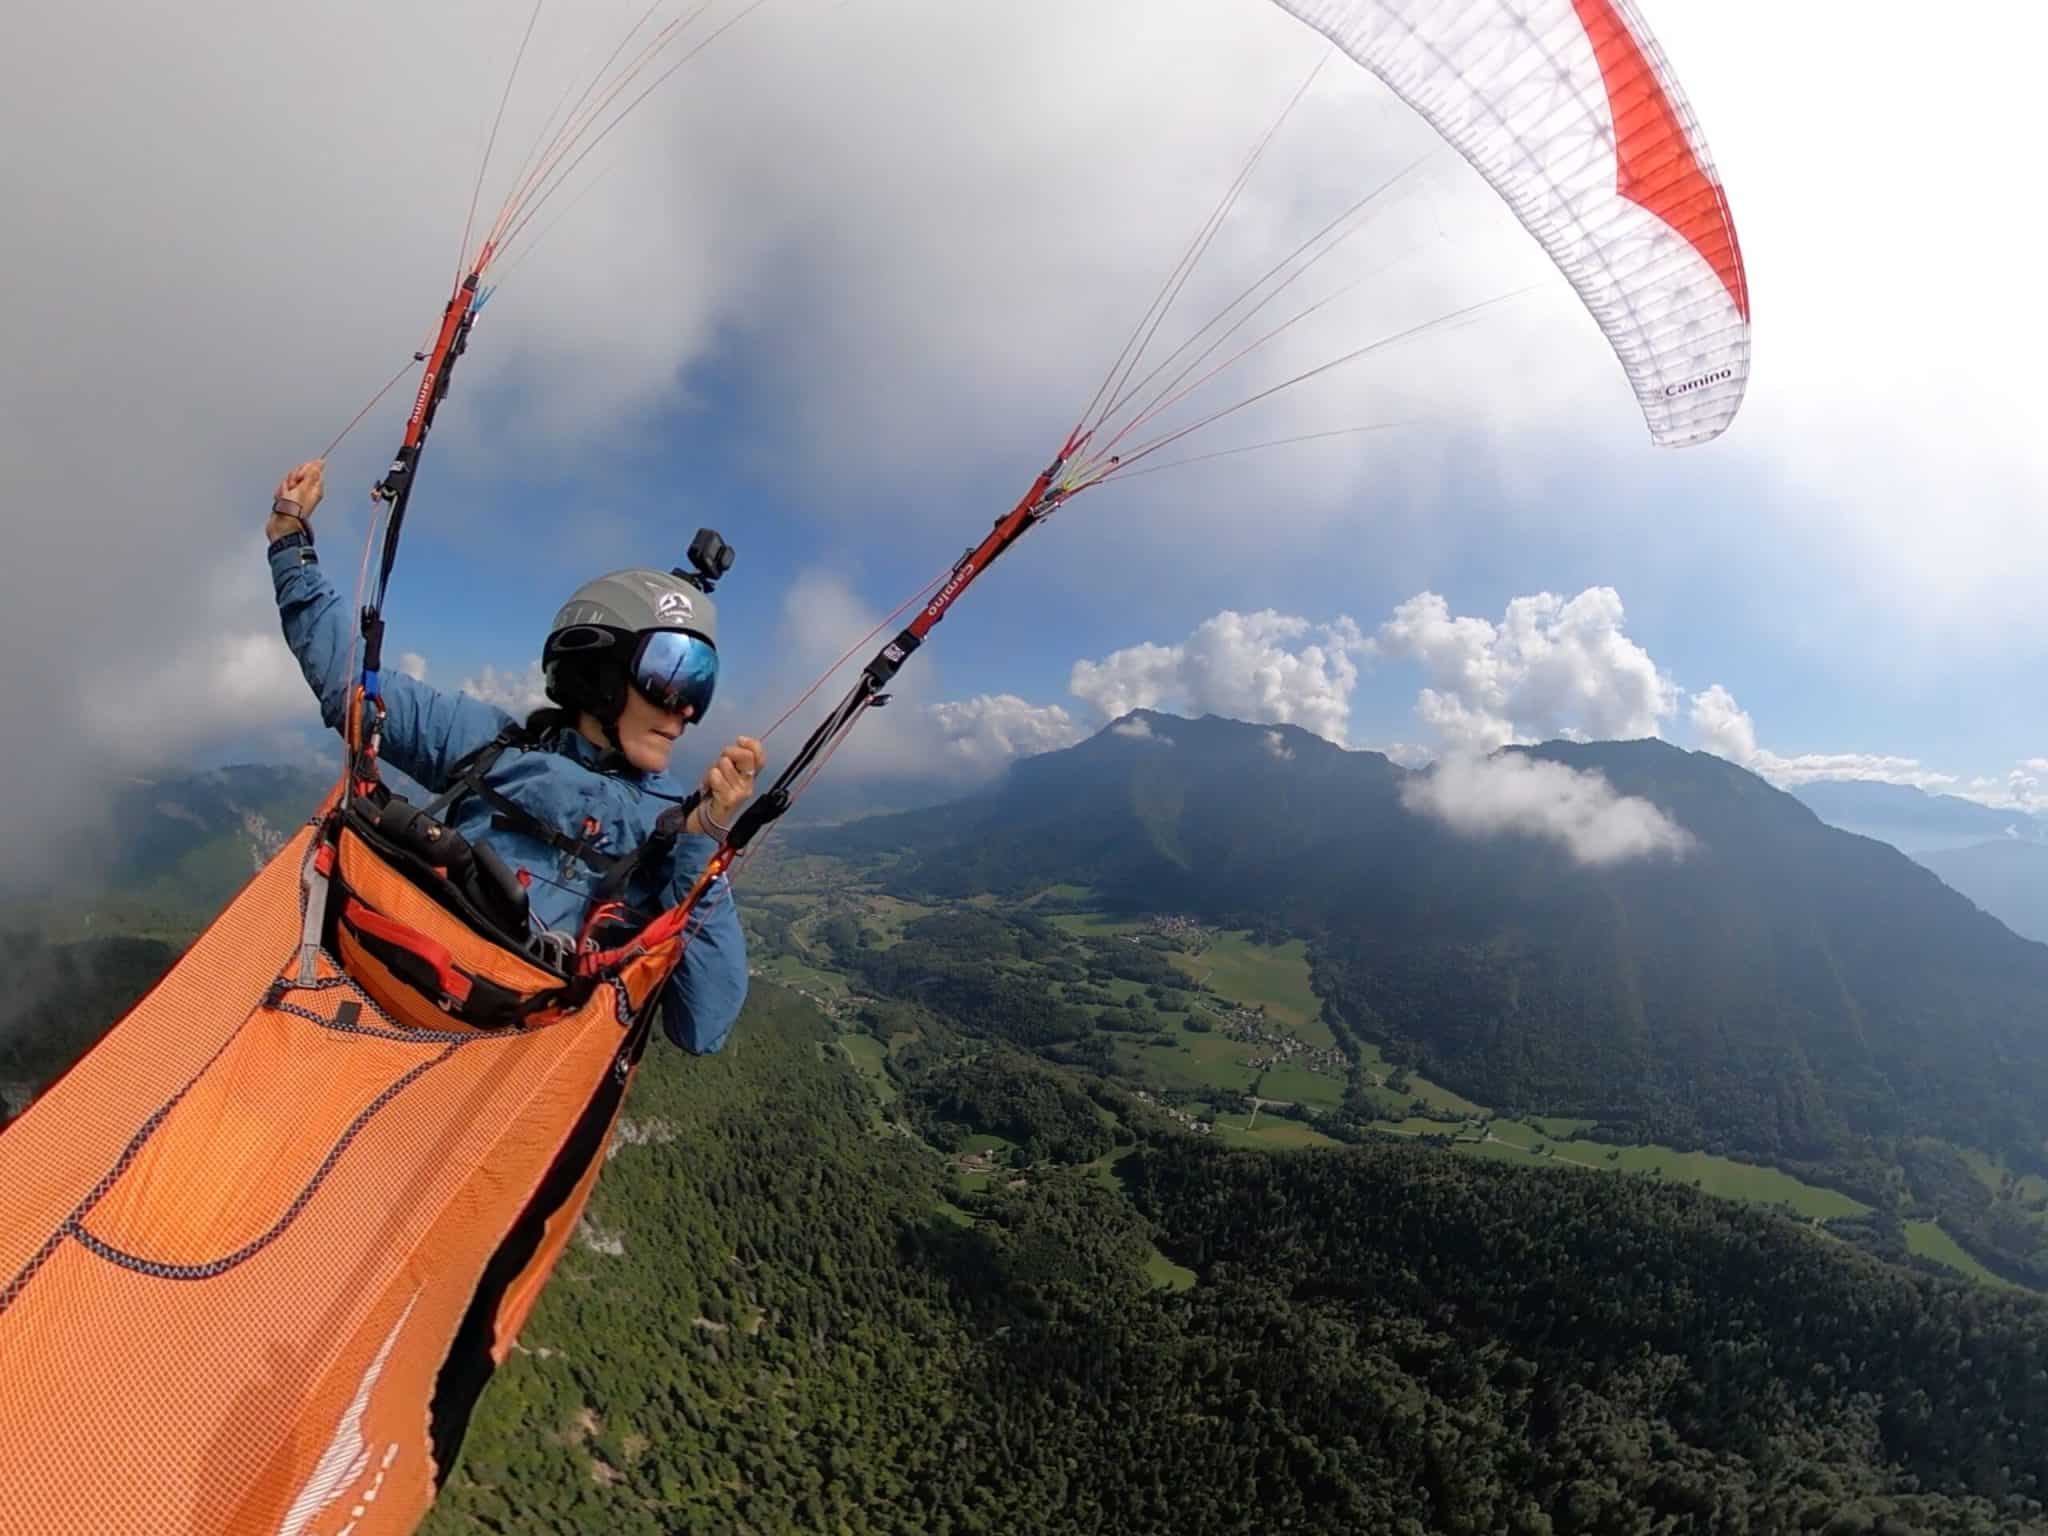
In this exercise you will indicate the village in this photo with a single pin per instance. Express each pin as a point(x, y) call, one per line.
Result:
point(1282, 1049)
point(1178, 927)
point(1187, 1121)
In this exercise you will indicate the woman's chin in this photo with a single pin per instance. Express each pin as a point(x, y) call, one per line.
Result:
point(650, 752)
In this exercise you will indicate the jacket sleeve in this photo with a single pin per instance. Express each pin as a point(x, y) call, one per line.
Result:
point(426, 731)
point(703, 997)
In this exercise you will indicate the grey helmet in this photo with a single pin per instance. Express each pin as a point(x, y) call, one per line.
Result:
point(631, 601)
point(598, 633)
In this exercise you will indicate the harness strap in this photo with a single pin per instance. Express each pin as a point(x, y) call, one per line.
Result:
point(614, 871)
point(430, 968)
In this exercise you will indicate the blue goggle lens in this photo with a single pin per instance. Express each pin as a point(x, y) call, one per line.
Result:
point(676, 671)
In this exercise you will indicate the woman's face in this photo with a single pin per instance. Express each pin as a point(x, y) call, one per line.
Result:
point(647, 733)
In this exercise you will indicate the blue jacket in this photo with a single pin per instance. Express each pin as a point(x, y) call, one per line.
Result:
point(562, 782)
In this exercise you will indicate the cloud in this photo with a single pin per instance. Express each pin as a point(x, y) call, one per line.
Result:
point(1407, 754)
point(1268, 668)
point(986, 732)
point(414, 666)
point(1137, 728)
point(189, 695)
point(1725, 729)
point(827, 630)
point(517, 693)
point(1723, 726)
point(837, 207)
point(1552, 667)
point(1512, 793)
point(1276, 746)
point(2024, 787)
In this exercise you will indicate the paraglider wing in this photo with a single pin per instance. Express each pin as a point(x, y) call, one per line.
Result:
point(1570, 112)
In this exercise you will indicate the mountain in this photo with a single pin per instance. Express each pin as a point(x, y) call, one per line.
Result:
point(168, 853)
point(1787, 992)
point(1912, 820)
point(86, 940)
point(2007, 878)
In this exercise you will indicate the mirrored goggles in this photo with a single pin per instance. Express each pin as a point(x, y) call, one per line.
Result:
point(676, 671)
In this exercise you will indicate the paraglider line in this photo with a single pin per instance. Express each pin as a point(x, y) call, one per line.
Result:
point(356, 420)
point(1466, 313)
point(499, 278)
point(1178, 278)
point(581, 119)
point(1278, 442)
point(1348, 214)
point(548, 134)
point(490, 144)
point(1221, 368)
point(541, 201)
point(851, 651)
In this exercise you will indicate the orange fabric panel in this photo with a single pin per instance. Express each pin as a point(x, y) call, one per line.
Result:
point(237, 1240)
point(395, 896)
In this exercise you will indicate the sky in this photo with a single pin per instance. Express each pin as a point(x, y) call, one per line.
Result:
point(841, 285)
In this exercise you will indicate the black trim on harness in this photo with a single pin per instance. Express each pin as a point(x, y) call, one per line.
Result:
point(469, 1366)
point(488, 1006)
point(613, 870)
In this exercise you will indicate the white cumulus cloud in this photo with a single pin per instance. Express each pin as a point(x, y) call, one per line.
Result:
point(1725, 729)
point(1552, 667)
point(515, 692)
point(189, 693)
point(1511, 793)
point(1139, 730)
point(988, 731)
point(1723, 726)
point(1268, 668)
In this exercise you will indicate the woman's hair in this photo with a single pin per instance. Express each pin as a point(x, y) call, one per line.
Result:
point(580, 685)
point(551, 717)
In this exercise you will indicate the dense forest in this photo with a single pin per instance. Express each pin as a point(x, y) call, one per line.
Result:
point(56, 1000)
point(782, 1318)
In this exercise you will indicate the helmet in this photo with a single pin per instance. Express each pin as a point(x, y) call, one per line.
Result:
point(655, 629)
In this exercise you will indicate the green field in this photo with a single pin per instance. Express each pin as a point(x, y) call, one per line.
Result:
point(1298, 1085)
point(792, 972)
point(1927, 1239)
point(1418, 1126)
point(1063, 893)
point(869, 1057)
point(1718, 1176)
point(1196, 1063)
point(1277, 976)
point(2028, 1193)
point(1271, 1132)
point(1094, 924)
point(1167, 1275)
point(889, 916)
point(1439, 1097)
